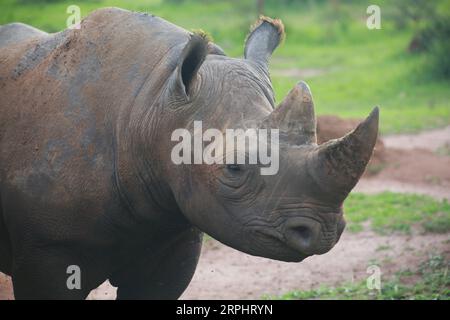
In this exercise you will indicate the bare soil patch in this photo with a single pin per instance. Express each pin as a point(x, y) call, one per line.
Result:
point(430, 140)
point(413, 171)
point(5, 287)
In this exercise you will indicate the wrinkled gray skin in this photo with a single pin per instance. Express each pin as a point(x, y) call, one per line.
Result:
point(86, 177)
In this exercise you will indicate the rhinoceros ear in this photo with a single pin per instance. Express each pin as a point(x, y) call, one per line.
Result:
point(263, 39)
point(192, 57)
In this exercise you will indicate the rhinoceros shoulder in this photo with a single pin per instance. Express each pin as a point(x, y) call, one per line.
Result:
point(17, 32)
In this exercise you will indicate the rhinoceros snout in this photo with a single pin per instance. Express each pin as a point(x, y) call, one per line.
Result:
point(307, 237)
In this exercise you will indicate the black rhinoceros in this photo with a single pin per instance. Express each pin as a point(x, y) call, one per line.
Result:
point(86, 175)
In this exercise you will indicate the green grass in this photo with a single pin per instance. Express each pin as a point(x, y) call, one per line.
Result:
point(430, 281)
point(358, 68)
point(388, 212)
point(383, 247)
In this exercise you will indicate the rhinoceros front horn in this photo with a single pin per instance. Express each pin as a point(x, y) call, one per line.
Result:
point(295, 117)
point(338, 164)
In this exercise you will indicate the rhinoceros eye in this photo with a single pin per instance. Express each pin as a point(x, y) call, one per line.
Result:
point(233, 167)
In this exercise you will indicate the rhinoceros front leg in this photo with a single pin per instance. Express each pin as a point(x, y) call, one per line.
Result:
point(42, 273)
point(161, 274)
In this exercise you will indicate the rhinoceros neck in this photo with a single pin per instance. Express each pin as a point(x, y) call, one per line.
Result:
point(140, 171)
point(140, 152)
point(133, 69)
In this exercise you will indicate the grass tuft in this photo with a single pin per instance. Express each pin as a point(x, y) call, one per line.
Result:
point(394, 212)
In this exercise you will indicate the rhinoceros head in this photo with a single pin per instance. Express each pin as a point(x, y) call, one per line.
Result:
point(294, 213)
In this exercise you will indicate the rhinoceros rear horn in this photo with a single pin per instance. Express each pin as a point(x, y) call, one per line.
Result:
point(338, 164)
point(263, 39)
point(295, 117)
point(192, 57)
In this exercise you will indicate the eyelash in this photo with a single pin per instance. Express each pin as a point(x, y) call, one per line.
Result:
point(233, 167)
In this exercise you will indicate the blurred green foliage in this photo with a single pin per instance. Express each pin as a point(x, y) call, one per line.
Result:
point(434, 39)
point(431, 24)
point(349, 67)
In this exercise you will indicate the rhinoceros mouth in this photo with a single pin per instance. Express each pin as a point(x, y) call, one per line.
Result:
point(270, 240)
point(297, 237)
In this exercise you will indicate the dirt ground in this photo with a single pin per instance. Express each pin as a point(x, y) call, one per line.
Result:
point(412, 168)
point(416, 163)
point(224, 273)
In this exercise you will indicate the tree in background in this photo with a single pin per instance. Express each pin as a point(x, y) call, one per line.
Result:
point(260, 6)
point(431, 25)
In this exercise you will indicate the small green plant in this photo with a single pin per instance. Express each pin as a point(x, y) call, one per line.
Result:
point(374, 169)
point(437, 224)
point(444, 150)
point(384, 247)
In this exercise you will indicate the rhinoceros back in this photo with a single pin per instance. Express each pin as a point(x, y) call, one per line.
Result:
point(87, 74)
point(14, 33)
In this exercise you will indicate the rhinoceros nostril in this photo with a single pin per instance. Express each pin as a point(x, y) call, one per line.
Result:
point(304, 235)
